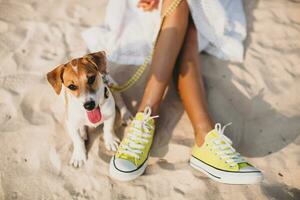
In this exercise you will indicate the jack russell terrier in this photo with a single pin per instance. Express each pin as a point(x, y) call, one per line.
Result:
point(88, 101)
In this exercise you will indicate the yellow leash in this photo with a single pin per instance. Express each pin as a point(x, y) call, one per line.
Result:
point(139, 72)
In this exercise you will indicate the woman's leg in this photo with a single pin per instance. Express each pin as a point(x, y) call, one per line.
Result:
point(168, 47)
point(191, 87)
point(218, 160)
point(130, 160)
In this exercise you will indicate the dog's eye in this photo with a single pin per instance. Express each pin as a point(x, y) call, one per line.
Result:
point(91, 80)
point(72, 87)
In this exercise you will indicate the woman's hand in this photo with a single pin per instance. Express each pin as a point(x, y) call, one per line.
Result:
point(148, 5)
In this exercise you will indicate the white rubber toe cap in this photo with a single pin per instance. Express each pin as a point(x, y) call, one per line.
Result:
point(124, 170)
point(124, 165)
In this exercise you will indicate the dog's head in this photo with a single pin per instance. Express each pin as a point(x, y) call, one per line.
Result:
point(82, 79)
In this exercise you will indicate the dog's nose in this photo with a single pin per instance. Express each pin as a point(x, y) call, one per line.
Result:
point(90, 105)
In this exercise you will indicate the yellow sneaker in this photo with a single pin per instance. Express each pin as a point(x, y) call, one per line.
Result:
point(131, 158)
point(219, 160)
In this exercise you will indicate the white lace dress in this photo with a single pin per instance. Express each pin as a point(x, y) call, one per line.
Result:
point(128, 32)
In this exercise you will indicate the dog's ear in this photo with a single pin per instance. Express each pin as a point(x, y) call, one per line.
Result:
point(99, 59)
point(55, 78)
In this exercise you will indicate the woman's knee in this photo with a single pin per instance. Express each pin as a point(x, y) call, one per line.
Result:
point(182, 8)
point(179, 17)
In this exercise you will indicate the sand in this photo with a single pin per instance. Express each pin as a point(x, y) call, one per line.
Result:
point(261, 98)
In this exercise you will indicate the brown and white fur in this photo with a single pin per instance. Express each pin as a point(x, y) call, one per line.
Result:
point(83, 86)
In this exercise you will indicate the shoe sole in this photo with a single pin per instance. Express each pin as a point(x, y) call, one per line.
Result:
point(125, 176)
point(252, 177)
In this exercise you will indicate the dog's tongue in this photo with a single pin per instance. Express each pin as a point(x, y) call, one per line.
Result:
point(94, 115)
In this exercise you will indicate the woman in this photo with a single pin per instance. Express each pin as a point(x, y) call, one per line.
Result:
point(212, 152)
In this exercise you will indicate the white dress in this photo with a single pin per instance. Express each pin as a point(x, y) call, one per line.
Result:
point(128, 32)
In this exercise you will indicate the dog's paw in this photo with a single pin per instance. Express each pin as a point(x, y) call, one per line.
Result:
point(111, 141)
point(78, 158)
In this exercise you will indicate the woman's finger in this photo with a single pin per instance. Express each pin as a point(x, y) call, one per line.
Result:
point(148, 6)
point(143, 5)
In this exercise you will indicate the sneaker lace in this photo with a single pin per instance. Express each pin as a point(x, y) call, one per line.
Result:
point(138, 136)
point(224, 147)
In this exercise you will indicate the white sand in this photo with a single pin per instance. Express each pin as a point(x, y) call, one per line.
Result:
point(260, 96)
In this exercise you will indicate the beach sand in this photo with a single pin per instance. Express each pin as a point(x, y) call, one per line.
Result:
point(261, 97)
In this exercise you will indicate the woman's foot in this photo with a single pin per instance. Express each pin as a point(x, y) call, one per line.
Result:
point(219, 160)
point(131, 158)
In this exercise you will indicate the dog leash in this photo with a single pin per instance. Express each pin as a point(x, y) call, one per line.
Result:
point(141, 69)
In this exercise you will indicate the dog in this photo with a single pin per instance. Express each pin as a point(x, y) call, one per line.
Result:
point(88, 101)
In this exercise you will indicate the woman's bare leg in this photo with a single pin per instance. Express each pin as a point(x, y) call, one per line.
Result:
point(190, 85)
point(172, 39)
point(168, 47)
point(191, 89)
